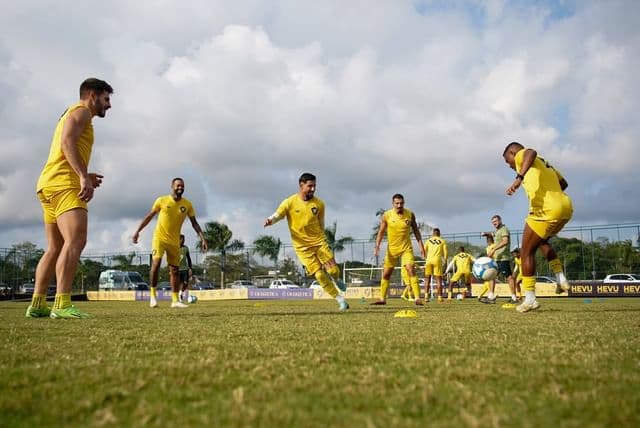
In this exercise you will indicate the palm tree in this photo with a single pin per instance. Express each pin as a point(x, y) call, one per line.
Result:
point(336, 244)
point(376, 227)
point(123, 262)
point(268, 246)
point(218, 237)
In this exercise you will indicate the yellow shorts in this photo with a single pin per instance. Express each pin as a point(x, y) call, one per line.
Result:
point(57, 202)
point(405, 258)
point(546, 228)
point(158, 248)
point(433, 267)
point(314, 258)
point(461, 275)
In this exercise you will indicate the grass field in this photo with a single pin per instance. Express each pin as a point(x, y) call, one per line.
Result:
point(303, 364)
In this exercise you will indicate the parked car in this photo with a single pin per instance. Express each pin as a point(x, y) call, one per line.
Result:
point(545, 279)
point(283, 283)
point(27, 288)
point(315, 284)
point(203, 285)
point(241, 283)
point(631, 278)
point(164, 285)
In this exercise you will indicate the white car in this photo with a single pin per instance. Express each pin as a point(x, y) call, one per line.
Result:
point(631, 278)
point(315, 284)
point(283, 283)
point(241, 283)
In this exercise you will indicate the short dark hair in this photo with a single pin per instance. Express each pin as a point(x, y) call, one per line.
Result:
point(461, 249)
point(307, 176)
point(94, 85)
point(496, 216)
point(176, 179)
point(512, 145)
point(436, 231)
point(397, 196)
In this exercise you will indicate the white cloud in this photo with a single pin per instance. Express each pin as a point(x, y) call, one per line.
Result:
point(240, 99)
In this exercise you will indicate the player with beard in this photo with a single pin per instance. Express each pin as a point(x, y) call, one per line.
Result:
point(172, 209)
point(305, 216)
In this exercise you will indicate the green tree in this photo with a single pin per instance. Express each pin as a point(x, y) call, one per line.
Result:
point(218, 237)
point(124, 261)
point(268, 246)
point(336, 244)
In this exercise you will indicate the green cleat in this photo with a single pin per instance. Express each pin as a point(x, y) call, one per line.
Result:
point(38, 312)
point(70, 312)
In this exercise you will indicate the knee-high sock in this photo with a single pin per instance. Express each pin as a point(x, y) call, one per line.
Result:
point(529, 283)
point(384, 288)
point(334, 271)
point(38, 300)
point(415, 287)
point(326, 283)
point(555, 265)
point(485, 288)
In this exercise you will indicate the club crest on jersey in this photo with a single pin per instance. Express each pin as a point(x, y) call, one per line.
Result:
point(407, 222)
point(183, 209)
point(314, 210)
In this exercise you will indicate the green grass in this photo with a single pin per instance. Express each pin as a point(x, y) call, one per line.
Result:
point(303, 364)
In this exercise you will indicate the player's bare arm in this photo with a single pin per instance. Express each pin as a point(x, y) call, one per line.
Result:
point(381, 231)
point(75, 124)
point(416, 233)
point(145, 221)
point(529, 156)
point(198, 229)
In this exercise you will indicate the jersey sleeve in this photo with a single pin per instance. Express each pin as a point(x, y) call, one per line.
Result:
point(283, 209)
point(157, 204)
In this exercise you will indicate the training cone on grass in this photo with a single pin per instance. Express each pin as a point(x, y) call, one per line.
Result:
point(406, 313)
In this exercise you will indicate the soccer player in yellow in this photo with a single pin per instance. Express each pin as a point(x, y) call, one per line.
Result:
point(398, 222)
point(550, 208)
point(305, 216)
point(435, 249)
point(64, 189)
point(173, 209)
point(407, 293)
point(462, 263)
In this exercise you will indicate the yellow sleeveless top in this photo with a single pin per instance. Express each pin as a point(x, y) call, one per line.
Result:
point(57, 172)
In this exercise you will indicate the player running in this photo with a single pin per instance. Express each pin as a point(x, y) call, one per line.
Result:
point(305, 216)
point(173, 209)
point(398, 222)
point(550, 208)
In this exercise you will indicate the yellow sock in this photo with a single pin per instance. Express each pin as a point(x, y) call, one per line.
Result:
point(38, 301)
point(384, 288)
point(154, 291)
point(174, 296)
point(529, 283)
point(415, 287)
point(485, 288)
point(555, 265)
point(62, 301)
point(326, 283)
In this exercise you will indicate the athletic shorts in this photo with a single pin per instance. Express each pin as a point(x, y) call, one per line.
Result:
point(546, 228)
point(314, 258)
point(184, 276)
point(405, 258)
point(158, 248)
point(433, 267)
point(461, 275)
point(504, 268)
point(57, 202)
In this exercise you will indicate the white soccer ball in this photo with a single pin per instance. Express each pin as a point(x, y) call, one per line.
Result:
point(192, 298)
point(459, 296)
point(485, 268)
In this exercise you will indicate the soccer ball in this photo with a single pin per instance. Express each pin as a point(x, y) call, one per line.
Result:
point(192, 298)
point(485, 268)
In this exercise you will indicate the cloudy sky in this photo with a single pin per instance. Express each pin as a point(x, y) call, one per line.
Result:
point(239, 98)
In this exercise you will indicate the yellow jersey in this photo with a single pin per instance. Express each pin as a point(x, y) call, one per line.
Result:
point(57, 172)
point(398, 230)
point(305, 219)
point(436, 249)
point(489, 248)
point(463, 262)
point(517, 266)
point(172, 215)
point(547, 201)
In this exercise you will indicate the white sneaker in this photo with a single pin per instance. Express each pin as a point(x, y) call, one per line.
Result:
point(153, 303)
point(526, 307)
point(179, 305)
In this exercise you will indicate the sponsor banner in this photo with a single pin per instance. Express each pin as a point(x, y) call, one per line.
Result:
point(111, 295)
point(591, 289)
point(276, 294)
point(543, 289)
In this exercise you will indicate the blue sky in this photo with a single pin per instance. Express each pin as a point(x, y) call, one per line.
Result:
point(412, 97)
